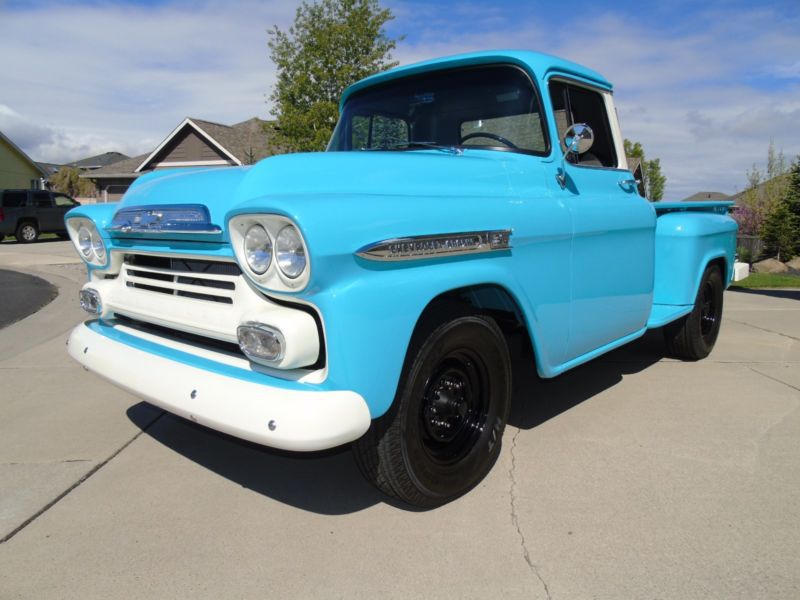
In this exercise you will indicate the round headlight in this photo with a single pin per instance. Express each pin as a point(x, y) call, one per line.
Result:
point(85, 242)
point(99, 248)
point(290, 252)
point(258, 249)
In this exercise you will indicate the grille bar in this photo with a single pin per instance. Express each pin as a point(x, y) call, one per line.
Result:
point(199, 279)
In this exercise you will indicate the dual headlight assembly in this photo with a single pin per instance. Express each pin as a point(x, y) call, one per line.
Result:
point(272, 251)
point(87, 240)
point(268, 247)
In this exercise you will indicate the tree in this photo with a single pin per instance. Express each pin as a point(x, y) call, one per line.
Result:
point(67, 180)
point(654, 181)
point(332, 44)
point(789, 230)
point(779, 231)
point(765, 189)
point(775, 181)
point(792, 193)
point(750, 213)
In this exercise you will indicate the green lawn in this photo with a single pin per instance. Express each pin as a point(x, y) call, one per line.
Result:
point(768, 280)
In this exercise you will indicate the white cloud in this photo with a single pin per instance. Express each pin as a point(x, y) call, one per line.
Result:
point(695, 97)
point(705, 95)
point(99, 76)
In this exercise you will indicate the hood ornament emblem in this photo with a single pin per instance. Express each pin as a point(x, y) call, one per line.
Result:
point(176, 218)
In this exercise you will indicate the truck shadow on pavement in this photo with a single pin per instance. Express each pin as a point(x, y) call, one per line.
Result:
point(329, 482)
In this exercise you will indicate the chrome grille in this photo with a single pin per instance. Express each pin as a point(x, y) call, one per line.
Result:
point(208, 280)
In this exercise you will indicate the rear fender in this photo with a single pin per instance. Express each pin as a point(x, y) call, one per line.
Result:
point(686, 242)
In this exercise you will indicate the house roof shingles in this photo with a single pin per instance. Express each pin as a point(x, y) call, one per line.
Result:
point(118, 170)
point(101, 160)
point(249, 141)
point(244, 140)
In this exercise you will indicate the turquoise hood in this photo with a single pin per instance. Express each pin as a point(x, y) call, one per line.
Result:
point(292, 182)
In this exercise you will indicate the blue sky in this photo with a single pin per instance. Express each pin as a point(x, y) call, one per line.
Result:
point(703, 85)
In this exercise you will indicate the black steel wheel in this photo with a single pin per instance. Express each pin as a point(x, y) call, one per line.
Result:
point(442, 434)
point(693, 337)
point(27, 232)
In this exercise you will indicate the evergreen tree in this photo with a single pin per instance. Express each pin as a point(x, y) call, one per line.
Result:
point(779, 231)
point(332, 44)
point(792, 201)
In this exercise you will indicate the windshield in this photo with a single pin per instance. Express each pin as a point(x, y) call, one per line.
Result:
point(493, 107)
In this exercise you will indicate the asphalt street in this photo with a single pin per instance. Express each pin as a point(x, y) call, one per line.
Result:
point(635, 476)
point(22, 295)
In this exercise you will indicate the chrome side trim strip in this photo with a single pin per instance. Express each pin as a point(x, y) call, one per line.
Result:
point(438, 245)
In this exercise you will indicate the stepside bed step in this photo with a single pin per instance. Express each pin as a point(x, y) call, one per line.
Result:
point(666, 313)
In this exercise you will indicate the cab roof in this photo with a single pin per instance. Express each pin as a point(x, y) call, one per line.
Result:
point(537, 62)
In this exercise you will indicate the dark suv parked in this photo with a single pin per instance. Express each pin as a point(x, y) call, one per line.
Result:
point(27, 213)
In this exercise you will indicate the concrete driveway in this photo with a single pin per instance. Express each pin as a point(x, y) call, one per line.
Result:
point(635, 476)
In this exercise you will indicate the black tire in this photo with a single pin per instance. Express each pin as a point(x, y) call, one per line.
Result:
point(443, 432)
point(27, 232)
point(693, 336)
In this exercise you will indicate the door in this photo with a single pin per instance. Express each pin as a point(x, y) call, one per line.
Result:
point(613, 227)
point(49, 217)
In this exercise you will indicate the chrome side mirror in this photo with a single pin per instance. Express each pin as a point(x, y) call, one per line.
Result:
point(577, 139)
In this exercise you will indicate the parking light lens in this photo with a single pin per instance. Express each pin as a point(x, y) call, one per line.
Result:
point(261, 343)
point(90, 301)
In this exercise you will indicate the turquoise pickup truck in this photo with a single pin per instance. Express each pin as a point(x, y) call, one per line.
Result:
point(366, 294)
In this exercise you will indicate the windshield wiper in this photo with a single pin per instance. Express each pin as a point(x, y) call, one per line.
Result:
point(420, 144)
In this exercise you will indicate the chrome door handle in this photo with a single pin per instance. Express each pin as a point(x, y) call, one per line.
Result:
point(628, 183)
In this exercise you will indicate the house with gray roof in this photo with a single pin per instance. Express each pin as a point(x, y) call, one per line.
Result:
point(98, 162)
point(193, 143)
point(17, 169)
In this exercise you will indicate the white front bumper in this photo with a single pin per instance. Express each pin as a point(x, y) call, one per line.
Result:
point(290, 419)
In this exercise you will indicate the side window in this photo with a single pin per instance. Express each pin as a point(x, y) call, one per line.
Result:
point(575, 104)
point(14, 199)
point(64, 201)
point(378, 131)
point(42, 200)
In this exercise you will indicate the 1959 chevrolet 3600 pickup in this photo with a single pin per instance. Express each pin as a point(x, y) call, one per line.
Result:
point(365, 294)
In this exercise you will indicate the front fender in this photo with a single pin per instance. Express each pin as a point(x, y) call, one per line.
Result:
point(369, 319)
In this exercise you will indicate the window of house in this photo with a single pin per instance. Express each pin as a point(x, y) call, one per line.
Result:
point(576, 104)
